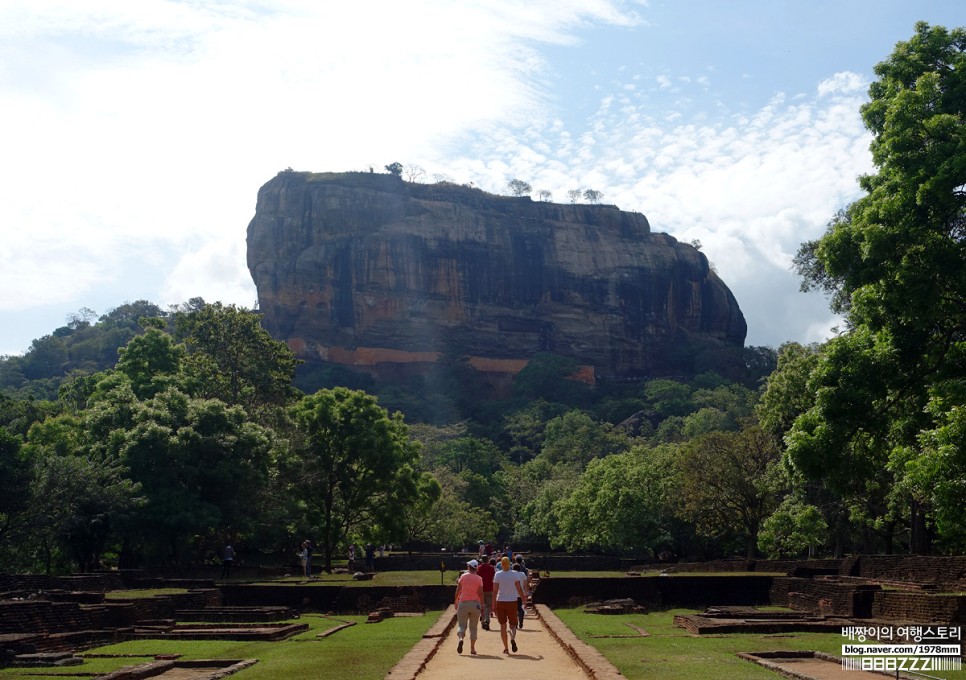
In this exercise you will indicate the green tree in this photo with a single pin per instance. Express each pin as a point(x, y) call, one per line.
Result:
point(151, 362)
point(358, 467)
point(449, 518)
point(623, 502)
point(78, 502)
point(576, 438)
point(201, 464)
point(894, 263)
point(232, 358)
point(395, 168)
point(727, 483)
point(16, 470)
point(518, 187)
point(668, 398)
point(792, 530)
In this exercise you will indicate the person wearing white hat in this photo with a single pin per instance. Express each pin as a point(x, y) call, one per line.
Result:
point(469, 604)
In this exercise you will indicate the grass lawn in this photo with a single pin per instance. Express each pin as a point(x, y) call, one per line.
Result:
point(142, 593)
point(381, 578)
point(674, 654)
point(362, 652)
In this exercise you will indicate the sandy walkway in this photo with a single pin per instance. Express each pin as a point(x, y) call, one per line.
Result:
point(540, 656)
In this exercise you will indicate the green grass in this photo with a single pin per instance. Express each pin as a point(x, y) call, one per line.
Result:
point(360, 652)
point(674, 654)
point(382, 578)
point(143, 593)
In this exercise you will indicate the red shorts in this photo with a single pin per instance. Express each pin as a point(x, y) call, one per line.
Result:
point(507, 611)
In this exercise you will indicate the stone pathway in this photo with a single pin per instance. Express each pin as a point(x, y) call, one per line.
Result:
point(547, 651)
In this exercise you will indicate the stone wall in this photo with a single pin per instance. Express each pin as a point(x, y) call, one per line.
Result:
point(913, 607)
point(657, 591)
point(908, 568)
point(913, 568)
point(102, 582)
point(824, 597)
point(345, 599)
point(33, 616)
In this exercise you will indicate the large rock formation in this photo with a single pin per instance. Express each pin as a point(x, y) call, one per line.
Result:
point(367, 270)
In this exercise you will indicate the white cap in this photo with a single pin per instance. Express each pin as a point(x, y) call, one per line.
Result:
point(473, 563)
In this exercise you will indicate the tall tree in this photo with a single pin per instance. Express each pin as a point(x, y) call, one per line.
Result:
point(518, 187)
point(894, 263)
point(622, 502)
point(727, 483)
point(15, 474)
point(201, 464)
point(357, 467)
point(232, 358)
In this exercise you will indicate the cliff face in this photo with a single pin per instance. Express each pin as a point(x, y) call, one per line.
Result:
point(365, 269)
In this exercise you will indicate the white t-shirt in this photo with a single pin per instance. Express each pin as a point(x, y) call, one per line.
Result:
point(508, 589)
point(522, 578)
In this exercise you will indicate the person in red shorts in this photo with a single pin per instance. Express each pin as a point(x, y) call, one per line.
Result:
point(506, 590)
point(487, 570)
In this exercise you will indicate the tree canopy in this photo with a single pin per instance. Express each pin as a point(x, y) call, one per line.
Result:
point(894, 263)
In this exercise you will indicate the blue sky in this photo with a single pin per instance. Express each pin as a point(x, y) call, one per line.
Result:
point(135, 135)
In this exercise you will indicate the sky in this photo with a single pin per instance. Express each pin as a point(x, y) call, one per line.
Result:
point(134, 136)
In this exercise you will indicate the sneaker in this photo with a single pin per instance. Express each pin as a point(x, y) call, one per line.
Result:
point(459, 647)
point(513, 645)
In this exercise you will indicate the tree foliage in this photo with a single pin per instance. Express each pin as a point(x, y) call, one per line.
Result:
point(725, 483)
point(518, 187)
point(358, 470)
point(895, 264)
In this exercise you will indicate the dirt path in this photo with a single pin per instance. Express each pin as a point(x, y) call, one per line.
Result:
point(548, 650)
point(540, 656)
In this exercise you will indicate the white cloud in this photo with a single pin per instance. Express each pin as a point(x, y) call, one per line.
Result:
point(135, 136)
point(135, 129)
point(751, 189)
point(843, 83)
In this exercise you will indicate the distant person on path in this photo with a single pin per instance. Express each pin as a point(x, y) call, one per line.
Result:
point(469, 604)
point(307, 548)
point(506, 590)
point(227, 557)
point(302, 556)
point(352, 556)
point(370, 557)
point(487, 570)
point(525, 585)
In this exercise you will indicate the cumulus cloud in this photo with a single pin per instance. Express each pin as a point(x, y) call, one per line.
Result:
point(136, 136)
point(138, 128)
point(751, 189)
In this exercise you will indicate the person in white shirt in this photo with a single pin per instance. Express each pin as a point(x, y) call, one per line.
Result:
point(506, 590)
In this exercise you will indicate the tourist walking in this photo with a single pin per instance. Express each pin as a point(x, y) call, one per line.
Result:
point(525, 586)
point(487, 570)
point(307, 550)
point(506, 590)
point(227, 558)
point(469, 604)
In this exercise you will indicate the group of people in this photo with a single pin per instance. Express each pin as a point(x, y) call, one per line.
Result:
point(305, 557)
point(483, 589)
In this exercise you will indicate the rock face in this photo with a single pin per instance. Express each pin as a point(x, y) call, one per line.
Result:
point(367, 270)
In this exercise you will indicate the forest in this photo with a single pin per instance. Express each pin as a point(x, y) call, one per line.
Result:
point(150, 437)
